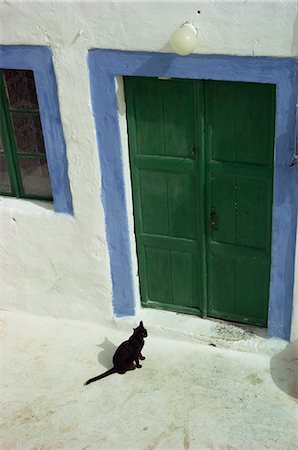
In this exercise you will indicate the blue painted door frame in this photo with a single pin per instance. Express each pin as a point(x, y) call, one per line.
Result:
point(104, 65)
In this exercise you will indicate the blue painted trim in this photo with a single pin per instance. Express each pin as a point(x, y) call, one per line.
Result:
point(39, 60)
point(104, 65)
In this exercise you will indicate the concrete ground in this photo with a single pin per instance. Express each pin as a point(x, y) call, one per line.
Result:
point(188, 395)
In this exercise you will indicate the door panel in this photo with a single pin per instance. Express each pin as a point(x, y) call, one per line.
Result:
point(252, 277)
point(164, 116)
point(254, 207)
point(202, 152)
point(162, 142)
point(181, 199)
point(184, 268)
point(158, 275)
point(167, 204)
point(170, 279)
point(239, 123)
point(153, 196)
point(222, 285)
point(234, 283)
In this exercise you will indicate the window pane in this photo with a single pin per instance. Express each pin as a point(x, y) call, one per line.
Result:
point(4, 178)
point(35, 176)
point(28, 133)
point(20, 88)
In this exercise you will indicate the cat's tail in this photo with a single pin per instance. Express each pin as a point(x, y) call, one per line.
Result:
point(103, 375)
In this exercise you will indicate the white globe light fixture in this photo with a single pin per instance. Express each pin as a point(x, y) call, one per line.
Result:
point(184, 40)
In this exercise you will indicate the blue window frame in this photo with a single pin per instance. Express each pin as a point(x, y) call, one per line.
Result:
point(39, 60)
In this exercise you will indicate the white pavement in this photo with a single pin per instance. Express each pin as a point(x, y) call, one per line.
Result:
point(186, 396)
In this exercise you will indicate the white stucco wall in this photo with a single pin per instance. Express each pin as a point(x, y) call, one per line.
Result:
point(59, 265)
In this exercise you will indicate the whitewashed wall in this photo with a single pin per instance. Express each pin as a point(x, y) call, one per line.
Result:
point(58, 265)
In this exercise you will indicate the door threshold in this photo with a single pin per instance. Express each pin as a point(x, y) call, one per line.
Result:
point(252, 329)
point(213, 332)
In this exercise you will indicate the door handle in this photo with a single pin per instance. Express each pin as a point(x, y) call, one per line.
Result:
point(213, 219)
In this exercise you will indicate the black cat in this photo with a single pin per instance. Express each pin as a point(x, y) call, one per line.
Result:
point(127, 355)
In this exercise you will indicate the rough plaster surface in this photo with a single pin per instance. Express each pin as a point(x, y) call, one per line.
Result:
point(225, 27)
point(49, 265)
point(186, 396)
point(54, 264)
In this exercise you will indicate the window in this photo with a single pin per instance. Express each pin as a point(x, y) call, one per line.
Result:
point(23, 163)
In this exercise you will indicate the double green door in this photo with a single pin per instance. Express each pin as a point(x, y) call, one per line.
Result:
point(201, 157)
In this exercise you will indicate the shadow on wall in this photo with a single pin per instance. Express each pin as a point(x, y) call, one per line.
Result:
point(284, 369)
point(105, 356)
point(161, 60)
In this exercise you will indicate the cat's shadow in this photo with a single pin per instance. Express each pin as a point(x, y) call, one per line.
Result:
point(105, 356)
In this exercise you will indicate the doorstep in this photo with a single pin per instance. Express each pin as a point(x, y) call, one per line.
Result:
point(213, 332)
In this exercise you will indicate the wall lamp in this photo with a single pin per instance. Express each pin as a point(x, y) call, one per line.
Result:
point(184, 40)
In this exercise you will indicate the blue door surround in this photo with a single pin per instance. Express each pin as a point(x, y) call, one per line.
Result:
point(104, 65)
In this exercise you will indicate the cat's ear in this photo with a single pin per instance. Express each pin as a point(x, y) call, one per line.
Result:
point(141, 324)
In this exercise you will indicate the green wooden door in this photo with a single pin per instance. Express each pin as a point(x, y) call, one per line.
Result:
point(198, 148)
point(239, 133)
point(163, 143)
